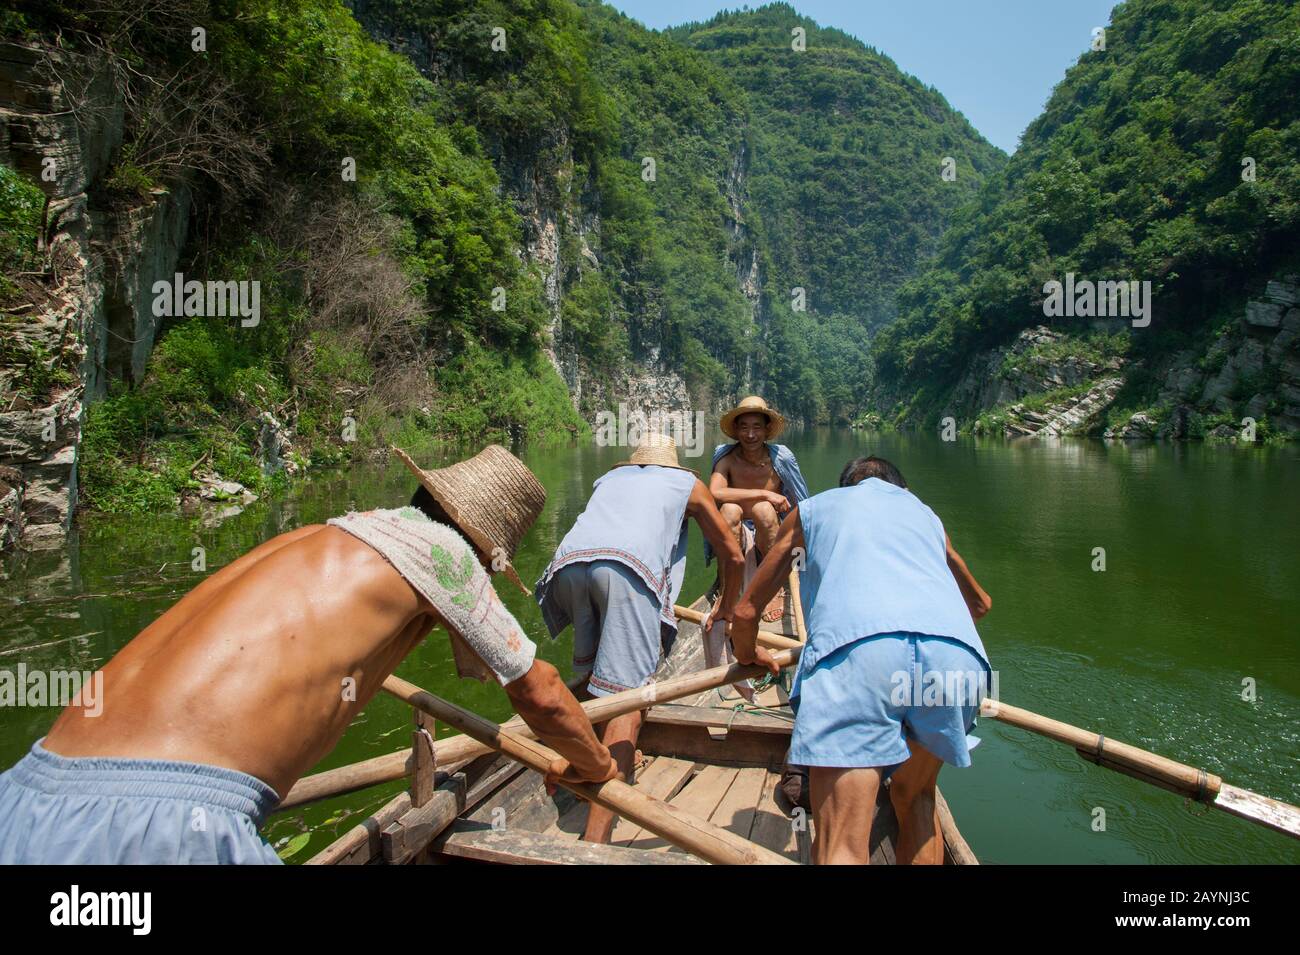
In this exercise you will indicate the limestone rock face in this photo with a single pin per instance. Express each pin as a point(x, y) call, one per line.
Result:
point(1250, 369)
point(1264, 315)
point(1073, 415)
point(94, 316)
point(1029, 365)
point(558, 207)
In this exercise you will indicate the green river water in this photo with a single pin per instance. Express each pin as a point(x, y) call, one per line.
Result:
point(1201, 591)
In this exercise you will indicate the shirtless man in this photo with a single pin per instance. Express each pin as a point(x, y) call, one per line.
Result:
point(754, 481)
point(256, 673)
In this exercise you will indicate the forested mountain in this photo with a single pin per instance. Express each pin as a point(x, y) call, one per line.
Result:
point(846, 185)
point(775, 168)
point(468, 218)
point(1172, 156)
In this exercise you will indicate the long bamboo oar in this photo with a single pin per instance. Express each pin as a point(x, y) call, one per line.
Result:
point(773, 641)
point(453, 751)
point(1157, 770)
point(696, 836)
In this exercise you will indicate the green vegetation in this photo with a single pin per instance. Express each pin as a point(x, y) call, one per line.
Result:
point(21, 203)
point(1134, 170)
point(1098, 348)
point(376, 295)
point(846, 190)
point(819, 169)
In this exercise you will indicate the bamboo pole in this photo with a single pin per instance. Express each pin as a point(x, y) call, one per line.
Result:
point(773, 641)
point(682, 829)
point(1154, 769)
point(451, 753)
point(796, 604)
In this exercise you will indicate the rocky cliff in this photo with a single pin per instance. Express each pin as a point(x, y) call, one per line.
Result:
point(1050, 383)
point(89, 320)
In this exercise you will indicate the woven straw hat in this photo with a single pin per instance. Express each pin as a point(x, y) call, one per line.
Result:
point(492, 497)
point(654, 448)
point(754, 405)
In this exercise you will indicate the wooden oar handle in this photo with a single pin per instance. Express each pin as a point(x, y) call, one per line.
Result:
point(773, 641)
point(1180, 777)
point(682, 829)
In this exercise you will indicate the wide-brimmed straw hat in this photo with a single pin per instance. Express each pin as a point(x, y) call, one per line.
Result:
point(753, 405)
point(654, 448)
point(492, 497)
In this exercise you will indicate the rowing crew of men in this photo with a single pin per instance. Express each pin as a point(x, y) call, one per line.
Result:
point(220, 705)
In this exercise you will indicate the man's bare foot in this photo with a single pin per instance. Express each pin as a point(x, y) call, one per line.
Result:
point(775, 607)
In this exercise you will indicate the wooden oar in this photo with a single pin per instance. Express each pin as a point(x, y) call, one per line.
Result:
point(1157, 770)
point(454, 751)
point(695, 835)
point(773, 641)
point(796, 606)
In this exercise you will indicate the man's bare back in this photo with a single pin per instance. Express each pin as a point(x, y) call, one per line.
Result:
point(247, 670)
point(229, 697)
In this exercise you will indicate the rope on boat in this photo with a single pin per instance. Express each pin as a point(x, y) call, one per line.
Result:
point(757, 708)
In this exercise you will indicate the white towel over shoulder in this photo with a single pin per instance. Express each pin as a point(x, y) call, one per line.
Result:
point(486, 640)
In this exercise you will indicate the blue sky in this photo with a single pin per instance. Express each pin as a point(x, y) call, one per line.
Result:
point(995, 60)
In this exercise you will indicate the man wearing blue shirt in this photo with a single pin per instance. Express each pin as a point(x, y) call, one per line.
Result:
point(893, 672)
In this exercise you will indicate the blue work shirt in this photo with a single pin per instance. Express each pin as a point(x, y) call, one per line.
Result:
point(877, 563)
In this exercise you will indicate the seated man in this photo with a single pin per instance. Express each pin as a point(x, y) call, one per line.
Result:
point(215, 709)
point(616, 576)
point(755, 483)
point(893, 672)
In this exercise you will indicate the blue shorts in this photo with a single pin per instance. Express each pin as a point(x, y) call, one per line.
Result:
point(98, 810)
point(617, 633)
point(858, 705)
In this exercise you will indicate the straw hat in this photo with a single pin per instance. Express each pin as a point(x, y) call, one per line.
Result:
point(654, 448)
point(492, 497)
point(753, 405)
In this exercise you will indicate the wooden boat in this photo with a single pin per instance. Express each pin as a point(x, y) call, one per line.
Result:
point(711, 755)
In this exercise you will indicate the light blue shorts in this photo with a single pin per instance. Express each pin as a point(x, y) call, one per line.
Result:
point(858, 705)
point(98, 810)
point(617, 632)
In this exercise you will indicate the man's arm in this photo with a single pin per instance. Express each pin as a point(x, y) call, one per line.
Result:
point(772, 573)
point(723, 493)
point(700, 506)
point(547, 705)
point(978, 602)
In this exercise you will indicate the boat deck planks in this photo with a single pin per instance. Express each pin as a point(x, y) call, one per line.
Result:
point(739, 806)
point(700, 797)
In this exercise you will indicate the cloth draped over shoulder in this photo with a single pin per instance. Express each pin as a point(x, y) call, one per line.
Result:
point(433, 558)
point(786, 467)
